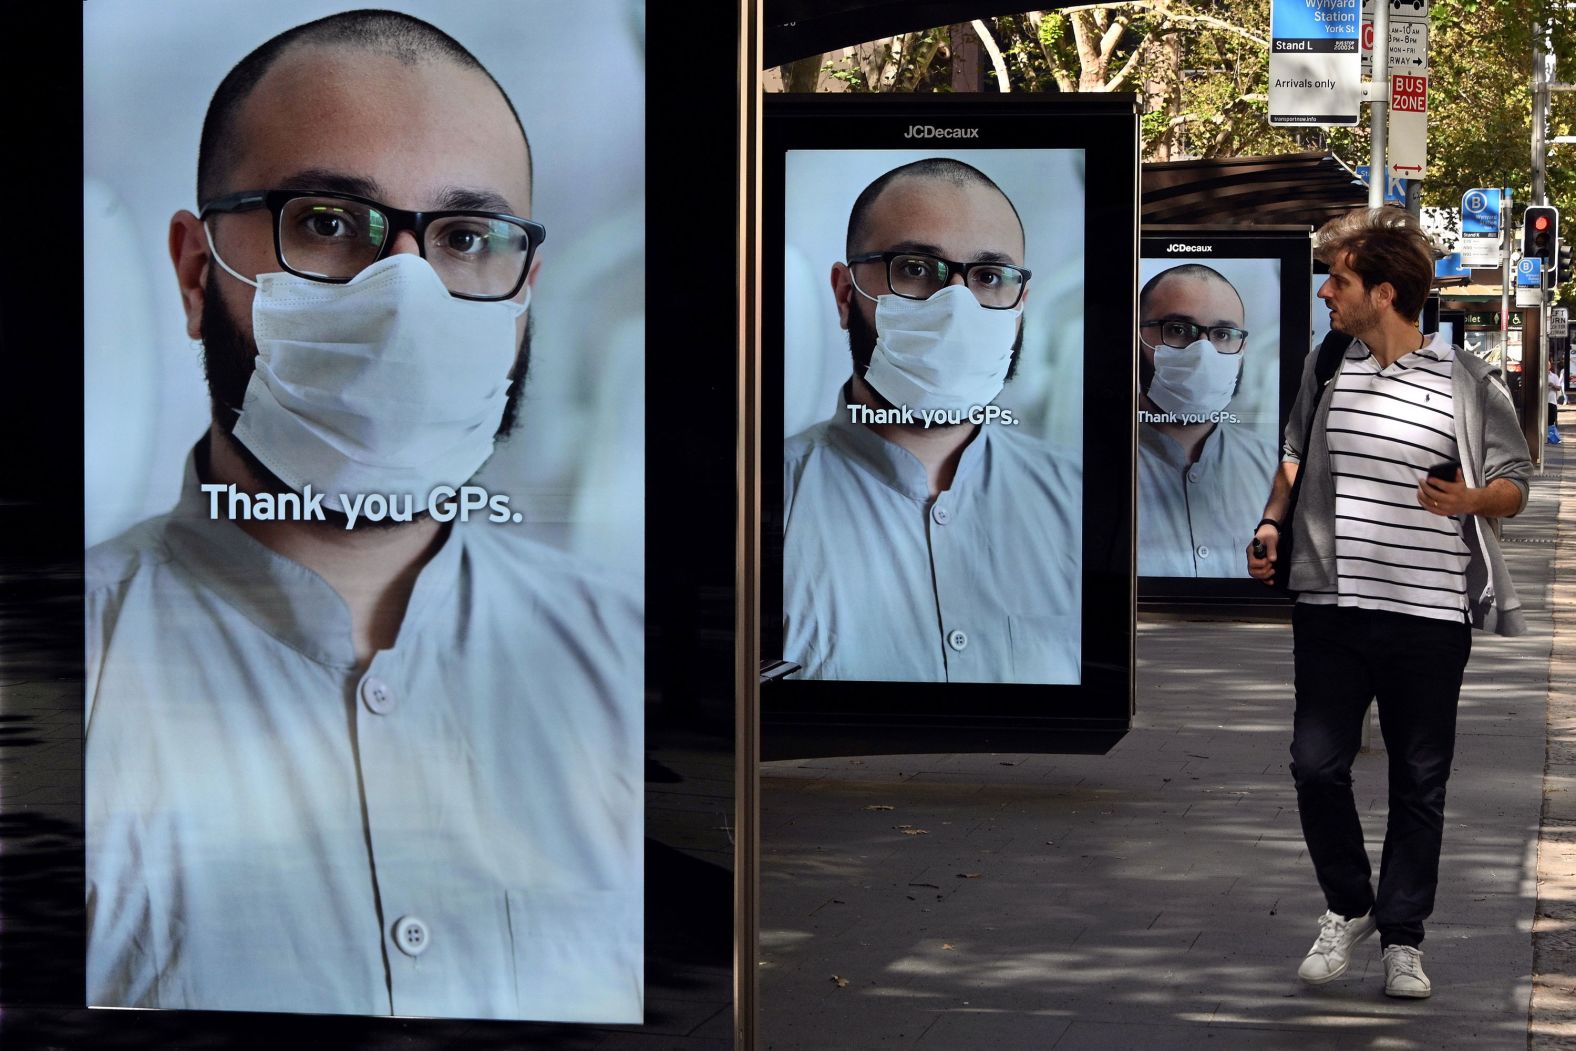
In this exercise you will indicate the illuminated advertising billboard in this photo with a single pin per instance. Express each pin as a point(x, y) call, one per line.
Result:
point(340, 576)
point(1222, 318)
point(952, 502)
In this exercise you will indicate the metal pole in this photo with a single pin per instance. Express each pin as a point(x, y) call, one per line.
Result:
point(1378, 174)
point(1533, 397)
point(1379, 106)
point(1545, 416)
point(747, 537)
point(1504, 273)
point(1540, 114)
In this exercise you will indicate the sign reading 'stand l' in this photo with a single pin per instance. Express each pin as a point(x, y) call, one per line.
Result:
point(1315, 63)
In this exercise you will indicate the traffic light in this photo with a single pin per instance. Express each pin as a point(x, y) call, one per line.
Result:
point(1562, 266)
point(1540, 233)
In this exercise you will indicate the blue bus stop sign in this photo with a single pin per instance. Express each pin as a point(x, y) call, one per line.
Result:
point(1529, 273)
point(1480, 212)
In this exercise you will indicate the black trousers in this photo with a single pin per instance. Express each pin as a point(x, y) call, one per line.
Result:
point(1344, 658)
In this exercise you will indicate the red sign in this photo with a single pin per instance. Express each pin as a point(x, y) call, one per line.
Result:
point(1408, 94)
point(1368, 36)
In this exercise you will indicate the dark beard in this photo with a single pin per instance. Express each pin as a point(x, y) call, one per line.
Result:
point(228, 360)
point(862, 344)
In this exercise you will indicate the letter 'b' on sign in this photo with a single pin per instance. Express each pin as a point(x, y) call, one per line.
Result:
point(1409, 94)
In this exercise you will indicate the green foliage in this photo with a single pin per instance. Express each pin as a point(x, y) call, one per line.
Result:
point(1201, 68)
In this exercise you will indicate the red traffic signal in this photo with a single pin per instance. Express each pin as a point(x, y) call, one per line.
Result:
point(1540, 233)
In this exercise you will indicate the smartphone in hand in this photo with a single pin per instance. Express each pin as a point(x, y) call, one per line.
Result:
point(1445, 472)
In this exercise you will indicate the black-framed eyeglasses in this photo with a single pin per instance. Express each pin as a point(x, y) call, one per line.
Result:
point(917, 275)
point(1180, 333)
point(329, 236)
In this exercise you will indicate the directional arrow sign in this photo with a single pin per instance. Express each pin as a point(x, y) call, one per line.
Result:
point(1408, 140)
point(1408, 44)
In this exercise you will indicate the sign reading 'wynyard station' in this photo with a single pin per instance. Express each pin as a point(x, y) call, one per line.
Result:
point(1315, 62)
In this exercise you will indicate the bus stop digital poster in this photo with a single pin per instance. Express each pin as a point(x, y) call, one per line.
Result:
point(1222, 318)
point(950, 426)
point(365, 712)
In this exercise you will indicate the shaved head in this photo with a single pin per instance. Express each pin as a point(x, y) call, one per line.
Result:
point(942, 170)
point(385, 33)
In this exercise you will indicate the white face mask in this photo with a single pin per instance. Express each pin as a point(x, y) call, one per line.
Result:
point(1196, 380)
point(946, 352)
point(386, 384)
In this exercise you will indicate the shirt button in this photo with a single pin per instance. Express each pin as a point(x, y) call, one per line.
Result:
point(1194, 475)
point(1203, 551)
point(376, 695)
point(940, 514)
point(410, 934)
point(957, 640)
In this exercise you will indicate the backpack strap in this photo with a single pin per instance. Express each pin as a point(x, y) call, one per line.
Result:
point(1330, 353)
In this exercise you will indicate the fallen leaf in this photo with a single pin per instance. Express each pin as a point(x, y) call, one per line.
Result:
point(946, 945)
point(841, 983)
point(969, 875)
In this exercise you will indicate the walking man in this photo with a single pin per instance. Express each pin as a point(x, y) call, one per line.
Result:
point(1407, 456)
point(1556, 389)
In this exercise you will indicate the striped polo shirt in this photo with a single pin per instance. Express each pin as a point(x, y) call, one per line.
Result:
point(1386, 428)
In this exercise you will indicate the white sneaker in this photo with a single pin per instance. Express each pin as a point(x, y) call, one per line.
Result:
point(1332, 952)
point(1403, 973)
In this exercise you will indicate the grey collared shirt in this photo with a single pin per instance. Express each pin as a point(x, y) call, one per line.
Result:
point(880, 582)
point(454, 830)
point(1195, 520)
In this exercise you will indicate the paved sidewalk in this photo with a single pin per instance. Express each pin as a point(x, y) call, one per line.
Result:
point(1158, 896)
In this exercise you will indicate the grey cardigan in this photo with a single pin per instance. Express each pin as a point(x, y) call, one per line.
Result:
point(1491, 446)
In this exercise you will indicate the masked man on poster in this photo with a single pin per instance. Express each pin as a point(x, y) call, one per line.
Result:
point(334, 766)
point(1200, 470)
point(1412, 455)
point(925, 537)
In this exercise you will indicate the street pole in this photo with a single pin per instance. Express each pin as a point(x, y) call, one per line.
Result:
point(1545, 417)
point(1378, 178)
point(1504, 273)
point(1540, 121)
point(1540, 115)
point(1379, 106)
point(1533, 398)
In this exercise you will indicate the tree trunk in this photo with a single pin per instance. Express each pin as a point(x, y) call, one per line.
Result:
point(802, 75)
point(968, 65)
point(1171, 141)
